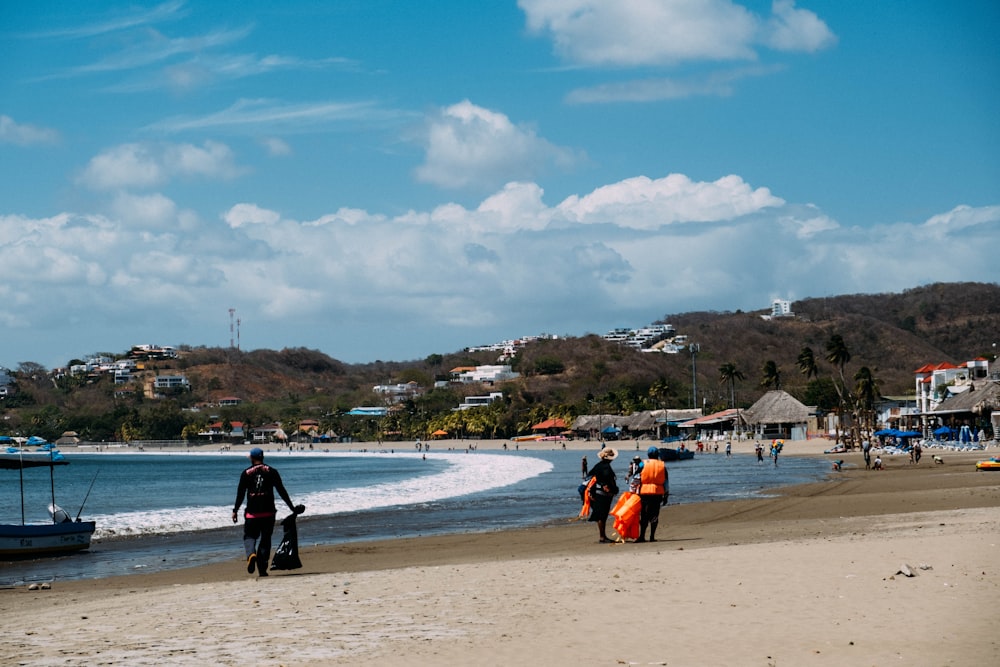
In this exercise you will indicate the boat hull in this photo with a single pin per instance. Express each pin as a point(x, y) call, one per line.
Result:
point(988, 465)
point(54, 539)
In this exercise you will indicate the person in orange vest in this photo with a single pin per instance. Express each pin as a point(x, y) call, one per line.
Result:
point(653, 493)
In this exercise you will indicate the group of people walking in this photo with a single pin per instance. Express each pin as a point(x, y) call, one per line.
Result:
point(648, 482)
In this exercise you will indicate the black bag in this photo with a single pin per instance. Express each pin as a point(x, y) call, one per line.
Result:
point(287, 555)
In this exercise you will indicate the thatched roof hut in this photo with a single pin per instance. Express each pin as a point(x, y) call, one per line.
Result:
point(778, 414)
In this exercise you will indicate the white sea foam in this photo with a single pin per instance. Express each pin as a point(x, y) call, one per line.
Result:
point(464, 475)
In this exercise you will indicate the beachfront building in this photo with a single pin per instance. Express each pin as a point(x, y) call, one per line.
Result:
point(778, 414)
point(726, 424)
point(268, 433)
point(936, 384)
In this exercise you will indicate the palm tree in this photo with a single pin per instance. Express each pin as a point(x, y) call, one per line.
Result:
point(771, 375)
point(838, 355)
point(729, 374)
point(867, 390)
point(807, 363)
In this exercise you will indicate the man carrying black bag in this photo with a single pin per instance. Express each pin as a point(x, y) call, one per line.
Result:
point(287, 555)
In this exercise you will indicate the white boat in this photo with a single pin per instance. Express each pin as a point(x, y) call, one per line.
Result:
point(63, 535)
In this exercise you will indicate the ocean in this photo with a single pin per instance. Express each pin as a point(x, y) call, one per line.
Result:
point(157, 511)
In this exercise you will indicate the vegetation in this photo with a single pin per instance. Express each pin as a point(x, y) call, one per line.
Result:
point(875, 340)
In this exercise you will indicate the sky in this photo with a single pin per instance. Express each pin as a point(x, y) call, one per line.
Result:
point(384, 180)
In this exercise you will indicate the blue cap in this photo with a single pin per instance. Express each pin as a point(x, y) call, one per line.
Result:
point(653, 451)
point(257, 453)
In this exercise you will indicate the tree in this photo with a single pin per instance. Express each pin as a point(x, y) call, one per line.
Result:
point(867, 391)
point(838, 355)
point(729, 374)
point(771, 375)
point(807, 363)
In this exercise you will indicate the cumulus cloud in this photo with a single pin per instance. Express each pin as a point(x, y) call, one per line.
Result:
point(145, 165)
point(469, 146)
point(644, 203)
point(793, 29)
point(24, 134)
point(623, 254)
point(632, 33)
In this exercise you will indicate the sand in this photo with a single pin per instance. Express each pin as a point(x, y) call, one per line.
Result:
point(808, 577)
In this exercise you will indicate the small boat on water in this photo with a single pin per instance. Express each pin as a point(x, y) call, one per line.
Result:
point(31, 540)
point(992, 464)
point(678, 454)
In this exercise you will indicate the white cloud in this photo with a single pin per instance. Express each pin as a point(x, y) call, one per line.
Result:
point(23, 134)
point(250, 214)
point(792, 29)
point(254, 114)
point(713, 84)
point(631, 33)
point(469, 146)
point(625, 253)
point(644, 203)
point(276, 147)
point(145, 165)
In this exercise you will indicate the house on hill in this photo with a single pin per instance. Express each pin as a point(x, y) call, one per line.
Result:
point(778, 414)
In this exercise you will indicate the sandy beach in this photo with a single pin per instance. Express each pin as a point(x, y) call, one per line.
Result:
point(810, 576)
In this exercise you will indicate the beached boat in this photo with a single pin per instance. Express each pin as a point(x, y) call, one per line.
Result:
point(992, 464)
point(63, 535)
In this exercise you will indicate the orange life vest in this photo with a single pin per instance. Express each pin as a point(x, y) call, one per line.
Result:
point(586, 497)
point(653, 477)
point(626, 513)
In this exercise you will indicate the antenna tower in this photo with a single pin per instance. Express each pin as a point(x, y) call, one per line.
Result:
point(237, 334)
point(232, 312)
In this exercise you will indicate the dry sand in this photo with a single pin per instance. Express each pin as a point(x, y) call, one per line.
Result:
point(809, 577)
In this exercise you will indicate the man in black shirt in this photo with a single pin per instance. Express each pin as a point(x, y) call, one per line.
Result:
point(258, 484)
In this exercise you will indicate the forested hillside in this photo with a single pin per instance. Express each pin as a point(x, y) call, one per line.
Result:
point(891, 334)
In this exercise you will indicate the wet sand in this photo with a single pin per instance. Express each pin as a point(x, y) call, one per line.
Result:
point(807, 577)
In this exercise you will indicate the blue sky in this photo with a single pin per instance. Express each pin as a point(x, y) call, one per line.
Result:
point(386, 180)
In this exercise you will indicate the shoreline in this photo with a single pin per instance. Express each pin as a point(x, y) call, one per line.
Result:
point(812, 569)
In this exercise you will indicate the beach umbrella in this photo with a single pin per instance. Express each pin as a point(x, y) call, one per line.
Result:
point(942, 430)
point(908, 434)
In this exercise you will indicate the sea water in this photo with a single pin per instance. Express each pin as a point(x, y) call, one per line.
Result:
point(157, 511)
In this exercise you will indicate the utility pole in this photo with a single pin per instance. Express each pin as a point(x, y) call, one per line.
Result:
point(695, 349)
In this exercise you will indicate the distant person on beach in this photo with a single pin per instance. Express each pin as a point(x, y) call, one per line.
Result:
point(877, 465)
point(583, 467)
point(759, 448)
point(258, 484)
point(653, 493)
point(866, 449)
point(729, 449)
point(634, 471)
point(602, 491)
point(918, 451)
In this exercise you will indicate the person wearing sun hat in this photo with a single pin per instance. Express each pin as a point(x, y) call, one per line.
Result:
point(602, 491)
point(258, 484)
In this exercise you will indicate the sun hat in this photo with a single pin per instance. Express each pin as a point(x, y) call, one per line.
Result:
point(607, 454)
point(257, 453)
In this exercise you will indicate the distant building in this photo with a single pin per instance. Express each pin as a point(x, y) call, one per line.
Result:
point(780, 308)
point(479, 401)
point(397, 393)
point(483, 374)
